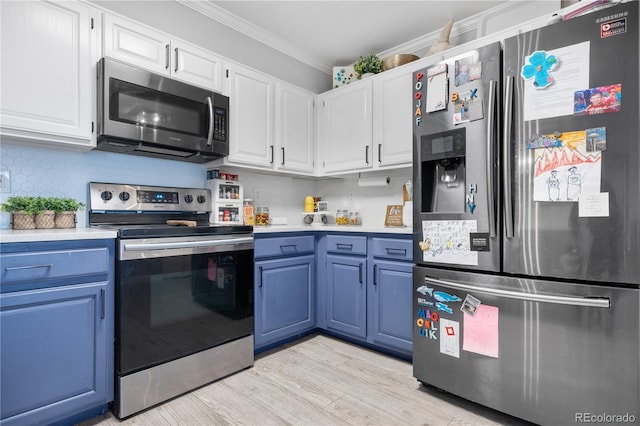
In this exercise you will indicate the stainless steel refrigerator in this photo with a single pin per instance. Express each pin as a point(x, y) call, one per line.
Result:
point(526, 222)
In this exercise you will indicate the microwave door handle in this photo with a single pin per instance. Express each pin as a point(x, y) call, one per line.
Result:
point(210, 105)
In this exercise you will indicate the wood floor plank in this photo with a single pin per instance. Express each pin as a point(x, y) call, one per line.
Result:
point(317, 380)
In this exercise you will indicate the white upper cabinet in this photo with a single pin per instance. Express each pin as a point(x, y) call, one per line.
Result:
point(345, 128)
point(392, 118)
point(139, 45)
point(48, 54)
point(294, 118)
point(250, 116)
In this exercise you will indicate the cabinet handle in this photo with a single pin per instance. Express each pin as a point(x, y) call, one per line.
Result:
point(167, 58)
point(375, 274)
point(17, 268)
point(103, 302)
point(260, 273)
point(379, 153)
point(344, 246)
point(176, 69)
point(271, 154)
point(282, 155)
point(391, 250)
point(360, 273)
point(366, 154)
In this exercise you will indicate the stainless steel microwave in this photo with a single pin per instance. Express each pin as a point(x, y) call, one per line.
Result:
point(147, 114)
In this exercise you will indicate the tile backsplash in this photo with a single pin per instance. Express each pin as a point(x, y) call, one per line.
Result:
point(50, 172)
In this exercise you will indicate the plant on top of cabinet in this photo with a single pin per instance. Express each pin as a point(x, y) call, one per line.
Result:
point(370, 63)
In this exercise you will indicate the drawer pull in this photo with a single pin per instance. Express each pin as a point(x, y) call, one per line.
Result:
point(391, 250)
point(284, 246)
point(344, 246)
point(17, 268)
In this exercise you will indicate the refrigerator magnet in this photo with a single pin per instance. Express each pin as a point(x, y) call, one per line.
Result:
point(539, 67)
point(470, 305)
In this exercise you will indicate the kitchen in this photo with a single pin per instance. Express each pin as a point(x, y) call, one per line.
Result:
point(69, 173)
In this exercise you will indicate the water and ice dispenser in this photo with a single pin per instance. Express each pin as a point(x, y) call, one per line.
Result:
point(443, 171)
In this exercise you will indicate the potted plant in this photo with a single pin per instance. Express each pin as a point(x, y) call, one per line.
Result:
point(45, 215)
point(369, 64)
point(23, 210)
point(65, 210)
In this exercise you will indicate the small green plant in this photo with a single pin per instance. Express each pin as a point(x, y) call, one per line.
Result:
point(29, 205)
point(64, 204)
point(369, 63)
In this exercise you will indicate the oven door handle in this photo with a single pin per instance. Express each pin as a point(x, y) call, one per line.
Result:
point(187, 244)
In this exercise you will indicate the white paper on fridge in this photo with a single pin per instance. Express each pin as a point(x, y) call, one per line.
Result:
point(571, 74)
point(450, 337)
point(437, 87)
point(448, 241)
point(594, 205)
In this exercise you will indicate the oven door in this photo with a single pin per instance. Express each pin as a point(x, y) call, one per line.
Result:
point(179, 296)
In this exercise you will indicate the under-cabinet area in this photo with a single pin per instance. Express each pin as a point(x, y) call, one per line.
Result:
point(355, 286)
point(56, 330)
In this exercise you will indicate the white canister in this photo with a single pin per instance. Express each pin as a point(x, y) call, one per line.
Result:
point(407, 214)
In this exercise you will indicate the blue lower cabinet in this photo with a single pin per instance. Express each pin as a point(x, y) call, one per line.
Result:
point(390, 308)
point(56, 331)
point(284, 298)
point(346, 292)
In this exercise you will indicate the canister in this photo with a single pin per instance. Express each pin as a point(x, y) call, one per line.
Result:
point(262, 216)
point(248, 216)
point(308, 204)
point(342, 217)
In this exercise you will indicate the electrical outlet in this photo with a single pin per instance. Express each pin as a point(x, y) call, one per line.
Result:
point(256, 195)
point(352, 197)
point(5, 181)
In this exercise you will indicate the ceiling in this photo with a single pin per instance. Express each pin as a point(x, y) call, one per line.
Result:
point(338, 32)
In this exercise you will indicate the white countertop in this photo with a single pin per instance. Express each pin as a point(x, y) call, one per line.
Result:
point(332, 228)
point(35, 235)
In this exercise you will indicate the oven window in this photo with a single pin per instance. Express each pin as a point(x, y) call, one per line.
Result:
point(176, 306)
point(146, 107)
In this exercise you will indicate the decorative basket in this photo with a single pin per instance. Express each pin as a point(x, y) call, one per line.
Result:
point(65, 220)
point(45, 220)
point(22, 220)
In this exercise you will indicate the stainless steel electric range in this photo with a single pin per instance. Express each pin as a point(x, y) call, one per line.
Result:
point(184, 292)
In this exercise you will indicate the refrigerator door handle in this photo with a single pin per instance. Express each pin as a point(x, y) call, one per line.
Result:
point(491, 116)
point(506, 168)
point(592, 302)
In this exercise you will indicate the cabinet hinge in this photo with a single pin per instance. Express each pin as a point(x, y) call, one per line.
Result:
point(91, 23)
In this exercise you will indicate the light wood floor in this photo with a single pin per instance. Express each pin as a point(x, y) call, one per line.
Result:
point(317, 380)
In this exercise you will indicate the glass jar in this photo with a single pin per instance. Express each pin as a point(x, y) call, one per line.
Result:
point(355, 219)
point(342, 217)
point(262, 216)
point(247, 212)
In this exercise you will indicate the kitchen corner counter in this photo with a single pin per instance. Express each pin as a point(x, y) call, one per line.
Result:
point(332, 228)
point(38, 235)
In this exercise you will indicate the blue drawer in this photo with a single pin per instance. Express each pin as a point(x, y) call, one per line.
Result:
point(347, 244)
point(43, 265)
point(392, 248)
point(284, 246)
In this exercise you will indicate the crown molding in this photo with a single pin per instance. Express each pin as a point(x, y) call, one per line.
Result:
point(250, 30)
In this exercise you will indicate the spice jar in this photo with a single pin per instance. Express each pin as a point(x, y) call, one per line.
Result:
point(342, 217)
point(248, 217)
point(262, 216)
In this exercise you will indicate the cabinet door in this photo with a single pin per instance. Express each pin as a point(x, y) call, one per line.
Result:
point(46, 67)
point(54, 353)
point(393, 127)
point(346, 307)
point(137, 44)
point(390, 309)
point(285, 302)
point(196, 66)
point(251, 117)
point(345, 129)
point(294, 128)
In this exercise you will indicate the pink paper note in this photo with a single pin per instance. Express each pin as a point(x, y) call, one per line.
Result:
point(480, 332)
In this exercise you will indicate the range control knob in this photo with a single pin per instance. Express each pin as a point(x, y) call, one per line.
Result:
point(201, 199)
point(106, 195)
point(124, 196)
point(188, 198)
